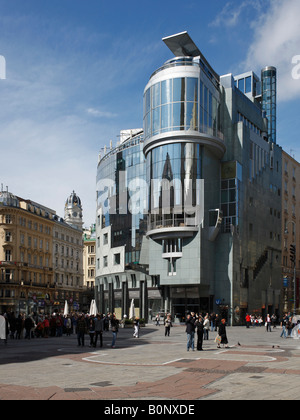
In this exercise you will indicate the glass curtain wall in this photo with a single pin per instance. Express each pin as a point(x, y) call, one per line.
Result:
point(122, 195)
point(172, 173)
point(180, 104)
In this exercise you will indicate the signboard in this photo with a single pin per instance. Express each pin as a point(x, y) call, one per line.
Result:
point(2, 328)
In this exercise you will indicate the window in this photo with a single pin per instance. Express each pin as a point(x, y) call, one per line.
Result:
point(105, 238)
point(8, 255)
point(105, 261)
point(8, 219)
point(8, 237)
point(117, 259)
point(133, 279)
point(241, 85)
point(248, 84)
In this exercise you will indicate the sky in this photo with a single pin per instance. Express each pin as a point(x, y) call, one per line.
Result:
point(73, 74)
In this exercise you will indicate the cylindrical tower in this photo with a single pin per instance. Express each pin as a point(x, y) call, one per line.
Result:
point(181, 119)
point(268, 84)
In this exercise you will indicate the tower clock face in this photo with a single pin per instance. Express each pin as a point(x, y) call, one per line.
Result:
point(75, 214)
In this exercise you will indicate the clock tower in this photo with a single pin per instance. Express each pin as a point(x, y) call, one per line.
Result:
point(73, 211)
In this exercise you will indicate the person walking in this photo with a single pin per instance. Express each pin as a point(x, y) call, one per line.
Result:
point(283, 326)
point(200, 331)
point(268, 323)
point(136, 326)
point(168, 325)
point(157, 320)
point(99, 330)
point(190, 331)
point(223, 334)
point(114, 323)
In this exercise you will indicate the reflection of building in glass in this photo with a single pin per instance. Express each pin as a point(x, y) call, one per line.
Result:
point(183, 207)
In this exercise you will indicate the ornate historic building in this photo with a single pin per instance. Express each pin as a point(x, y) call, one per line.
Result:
point(40, 257)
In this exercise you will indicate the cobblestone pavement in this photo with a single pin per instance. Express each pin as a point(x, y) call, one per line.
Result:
point(152, 367)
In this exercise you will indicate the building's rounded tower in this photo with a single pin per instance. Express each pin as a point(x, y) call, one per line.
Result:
point(181, 126)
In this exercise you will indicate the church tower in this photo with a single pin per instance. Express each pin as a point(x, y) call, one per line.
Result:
point(73, 211)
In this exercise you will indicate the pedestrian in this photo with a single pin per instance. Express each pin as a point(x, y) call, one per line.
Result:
point(59, 326)
point(157, 320)
point(68, 325)
point(206, 327)
point(248, 320)
point(91, 330)
point(19, 326)
point(136, 326)
point(81, 330)
point(46, 327)
point(99, 330)
point(190, 331)
point(168, 325)
point(268, 323)
point(274, 320)
point(289, 326)
point(212, 321)
point(217, 322)
point(114, 324)
point(223, 334)
point(283, 326)
point(28, 325)
point(200, 331)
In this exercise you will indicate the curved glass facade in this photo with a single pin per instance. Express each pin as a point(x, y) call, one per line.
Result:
point(122, 196)
point(172, 173)
point(181, 103)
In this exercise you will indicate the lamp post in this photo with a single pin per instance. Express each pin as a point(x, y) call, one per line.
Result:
point(293, 259)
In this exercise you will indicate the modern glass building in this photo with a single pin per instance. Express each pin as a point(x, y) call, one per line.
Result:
point(184, 205)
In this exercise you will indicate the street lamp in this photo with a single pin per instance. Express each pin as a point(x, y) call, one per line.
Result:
point(293, 259)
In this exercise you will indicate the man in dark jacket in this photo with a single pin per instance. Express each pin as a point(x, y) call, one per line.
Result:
point(200, 332)
point(190, 331)
point(28, 325)
point(81, 329)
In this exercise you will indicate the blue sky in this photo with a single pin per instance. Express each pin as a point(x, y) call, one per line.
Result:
point(76, 71)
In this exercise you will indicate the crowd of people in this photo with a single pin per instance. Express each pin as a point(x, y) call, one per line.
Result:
point(288, 322)
point(202, 325)
point(56, 325)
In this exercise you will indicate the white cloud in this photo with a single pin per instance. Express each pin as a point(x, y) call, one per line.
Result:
point(101, 114)
point(276, 42)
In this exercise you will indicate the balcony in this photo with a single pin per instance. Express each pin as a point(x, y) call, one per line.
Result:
point(172, 226)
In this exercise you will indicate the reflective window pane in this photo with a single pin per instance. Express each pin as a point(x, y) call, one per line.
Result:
point(166, 91)
point(178, 89)
point(248, 85)
point(192, 89)
point(156, 95)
